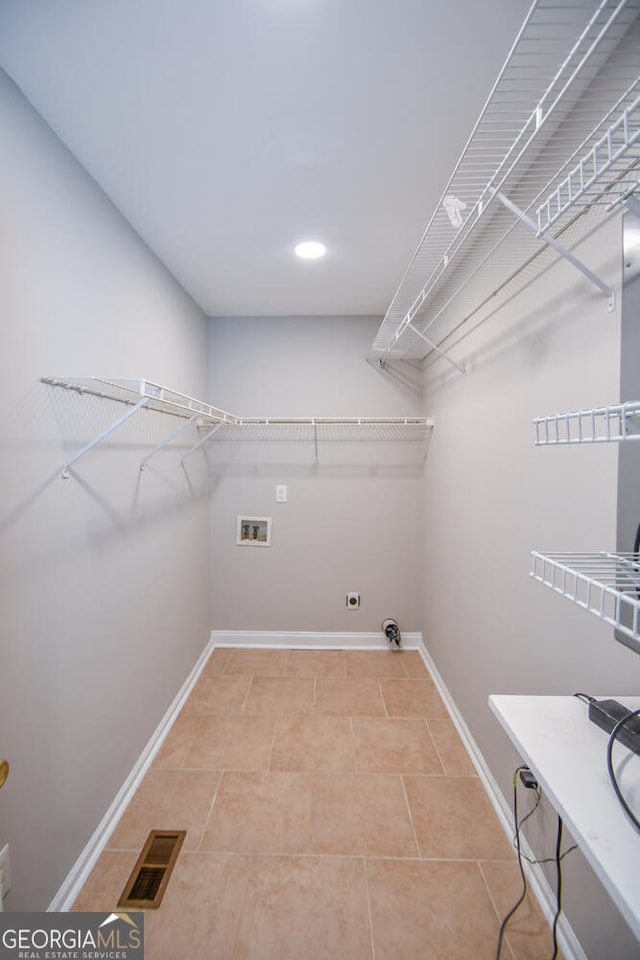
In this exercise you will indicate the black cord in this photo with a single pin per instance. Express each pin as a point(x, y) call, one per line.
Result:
point(558, 860)
point(615, 731)
point(531, 860)
point(612, 776)
point(517, 825)
point(585, 697)
point(636, 542)
point(636, 549)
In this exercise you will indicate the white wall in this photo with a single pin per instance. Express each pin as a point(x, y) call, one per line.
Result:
point(104, 576)
point(491, 497)
point(352, 520)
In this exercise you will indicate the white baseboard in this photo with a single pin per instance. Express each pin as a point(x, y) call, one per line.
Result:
point(77, 876)
point(538, 882)
point(309, 640)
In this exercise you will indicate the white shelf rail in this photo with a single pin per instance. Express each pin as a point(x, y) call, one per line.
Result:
point(605, 584)
point(212, 422)
point(613, 423)
point(596, 176)
point(566, 100)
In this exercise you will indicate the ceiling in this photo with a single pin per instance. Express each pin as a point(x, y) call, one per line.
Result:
point(226, 131)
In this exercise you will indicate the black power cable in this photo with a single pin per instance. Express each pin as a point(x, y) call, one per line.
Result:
point(613, 736)
point(612, 776)
point(503, 925)
point(557, 859)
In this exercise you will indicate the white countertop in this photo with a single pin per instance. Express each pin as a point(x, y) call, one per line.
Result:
point(568, 754)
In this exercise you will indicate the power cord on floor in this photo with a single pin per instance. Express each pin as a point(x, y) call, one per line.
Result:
point(557, 859)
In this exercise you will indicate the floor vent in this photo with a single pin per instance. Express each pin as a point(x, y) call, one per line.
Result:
point(145, 887)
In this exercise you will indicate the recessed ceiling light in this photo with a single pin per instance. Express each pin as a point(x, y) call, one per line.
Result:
point(310, 250)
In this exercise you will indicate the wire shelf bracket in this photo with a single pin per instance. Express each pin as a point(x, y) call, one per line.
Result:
point(201, 442)
point(102, 436)
point(172, 436)
point(562, 250)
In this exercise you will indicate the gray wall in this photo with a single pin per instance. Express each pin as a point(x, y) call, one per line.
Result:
point(104, 576)
point(491, 497)
point(352, 520)
point(106, 593)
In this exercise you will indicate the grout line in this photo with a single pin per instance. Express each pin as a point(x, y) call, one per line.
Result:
point(288, 854)
point(273, 743)
point(246, 696)
point(384, 702)
point(413, 826)
point(366, 887)
point(353, 745)
point(495, 908)
point(433, 740)
point(210, 811)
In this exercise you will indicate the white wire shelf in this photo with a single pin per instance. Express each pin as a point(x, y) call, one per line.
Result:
point(614, 423)
point(216, 424)
point(131, 391)
point(334, 429)
point(604, 584)
point(556, 148)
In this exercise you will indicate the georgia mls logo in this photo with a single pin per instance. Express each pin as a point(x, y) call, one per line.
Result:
point(82, 936)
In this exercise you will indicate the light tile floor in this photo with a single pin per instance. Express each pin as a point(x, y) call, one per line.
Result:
point(331, 812)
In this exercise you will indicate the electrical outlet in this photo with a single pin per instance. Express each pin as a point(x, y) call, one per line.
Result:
point(353, 600)
point(5, 867)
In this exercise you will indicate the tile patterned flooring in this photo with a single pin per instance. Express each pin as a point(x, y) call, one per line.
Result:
point(331, 812)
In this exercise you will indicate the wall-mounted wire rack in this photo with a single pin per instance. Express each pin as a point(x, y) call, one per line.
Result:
point(605, 584)
point(617, 422)
point(216, 424)
point(556, 147)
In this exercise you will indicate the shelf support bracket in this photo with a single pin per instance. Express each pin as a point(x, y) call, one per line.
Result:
point(202, 441)
point(183, 426)
point(559, 248)
point(434, 346)
point(101, 436)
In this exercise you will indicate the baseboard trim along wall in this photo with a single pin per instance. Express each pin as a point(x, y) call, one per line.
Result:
point(77, 876)
point(538, 882)
point(309, 640)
